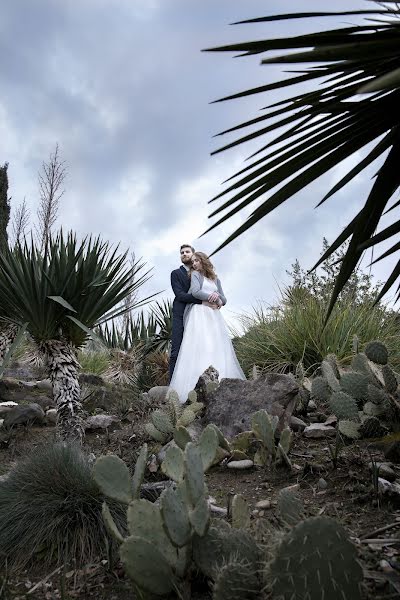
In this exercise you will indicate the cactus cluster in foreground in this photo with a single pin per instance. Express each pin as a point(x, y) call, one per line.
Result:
point(165, 421)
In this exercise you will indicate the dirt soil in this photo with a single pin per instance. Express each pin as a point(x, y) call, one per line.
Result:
point(345, 493)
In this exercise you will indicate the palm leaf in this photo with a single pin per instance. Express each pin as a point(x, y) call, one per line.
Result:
point(323, 125)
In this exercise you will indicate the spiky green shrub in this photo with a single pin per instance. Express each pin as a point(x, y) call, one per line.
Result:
point(278, 337)
point(50, 510)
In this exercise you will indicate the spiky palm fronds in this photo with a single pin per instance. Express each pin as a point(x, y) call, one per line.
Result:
point(324, 126)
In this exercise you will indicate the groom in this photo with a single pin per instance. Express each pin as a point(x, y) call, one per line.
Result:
point(180, 282)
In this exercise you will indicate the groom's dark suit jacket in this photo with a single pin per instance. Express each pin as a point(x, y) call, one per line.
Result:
point(180, 283)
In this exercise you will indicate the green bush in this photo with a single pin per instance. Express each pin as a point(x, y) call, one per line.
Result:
point(50, 510)
point(94, 361)
point(278, 337)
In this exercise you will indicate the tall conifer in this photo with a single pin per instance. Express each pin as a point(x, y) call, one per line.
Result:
point(4, 207)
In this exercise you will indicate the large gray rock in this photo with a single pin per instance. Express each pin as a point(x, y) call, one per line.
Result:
point(210, 375)
point(158, 393)
point(102, 422)
point(233, 403)
point(16, 390)
point(24, 414)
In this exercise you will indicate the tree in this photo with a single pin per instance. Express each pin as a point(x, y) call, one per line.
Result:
point(60, 296)
point(4, 208)
point(51, 190)
point(359, 289)
point(324, 125)
point(20, 221)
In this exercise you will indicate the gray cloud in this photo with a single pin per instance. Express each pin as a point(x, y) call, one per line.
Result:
point(123, 88)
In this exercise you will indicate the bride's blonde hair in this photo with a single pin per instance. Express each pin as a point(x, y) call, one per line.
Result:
point(207, 268)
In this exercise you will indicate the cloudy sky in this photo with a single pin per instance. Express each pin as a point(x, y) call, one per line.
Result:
point(123, 87)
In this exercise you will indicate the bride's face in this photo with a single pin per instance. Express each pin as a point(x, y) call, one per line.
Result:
point(196, 263)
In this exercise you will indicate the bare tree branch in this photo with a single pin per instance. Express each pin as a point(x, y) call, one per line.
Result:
point(20, 221)
point(51, 190)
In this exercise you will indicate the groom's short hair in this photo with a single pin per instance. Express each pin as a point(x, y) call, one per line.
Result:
point(187, 246)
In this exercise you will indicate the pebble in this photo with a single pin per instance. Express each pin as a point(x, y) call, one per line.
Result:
point(240, 464)
point(263, 504)
point(319, 430)
point(322, 484)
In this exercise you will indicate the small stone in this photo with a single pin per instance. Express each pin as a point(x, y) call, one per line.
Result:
point(102, 422)
point(297, 424)
point(263, 504)
point(45, 385)
point(385, 470)
point(331, 420)
point(261, 513)
point(1, 422)
point(311, 405)
point(386, 487)
point(322, 484)
point(254, 512)
point(51, 416)
point(240, 464)
point(319, 430)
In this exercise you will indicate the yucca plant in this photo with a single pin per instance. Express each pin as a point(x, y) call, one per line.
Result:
point(324, 126)
point(61, 296)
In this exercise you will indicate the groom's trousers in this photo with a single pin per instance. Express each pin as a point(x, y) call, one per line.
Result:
point(176, 340)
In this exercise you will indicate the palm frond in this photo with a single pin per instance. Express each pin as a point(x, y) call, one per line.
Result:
point(323, 126)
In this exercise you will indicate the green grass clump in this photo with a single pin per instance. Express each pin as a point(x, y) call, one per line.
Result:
point(50, 510)
point(94, 361)
point(276, 338)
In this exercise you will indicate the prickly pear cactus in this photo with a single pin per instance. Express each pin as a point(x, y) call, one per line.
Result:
point(316, 560)
point(371, 427)
point(320, 390)
point(240, 512)
point(333, 361)
point(377, 352)
point(344, 406)
point(164, 422)
point(355, 384)
point(330, 376)
point(349, 429)
point(361, 364)
point(390, 379)
point(290, 506)
point(236, 580)
point(378, 396)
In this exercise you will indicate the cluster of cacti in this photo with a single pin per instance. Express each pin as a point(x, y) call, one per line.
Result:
point(261, 444)
point(165, 421)
point(359, 393)
point(169, 541)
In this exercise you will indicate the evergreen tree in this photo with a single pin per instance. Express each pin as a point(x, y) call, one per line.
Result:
point(4, 207)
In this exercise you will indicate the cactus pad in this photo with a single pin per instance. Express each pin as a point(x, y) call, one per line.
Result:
point(146, 566)
point(378, 396)
point(208, 445)
point(175, 517)
point(236, 580)
point(264, 427)
point(344, 406)
point(316, 560)
point(138, 474)
point(187, 417)
point(162, 421)
point(355, 384)
point(194, 474)
point(333, 361)
point(377, 352)
point(192, 396)
point(182, 437)
point(349, 429)
point(113, 478)
point(330, 376)
point(155, 433)
point(320, 390)
point(390, 379)
point(172, 465)
point(200, 516)
point(240, 512)
point(110, 523)
point(372, 428)
point(222, 441)
point(290, 506)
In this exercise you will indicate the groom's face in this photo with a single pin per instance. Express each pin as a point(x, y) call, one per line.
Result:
point(186, 255)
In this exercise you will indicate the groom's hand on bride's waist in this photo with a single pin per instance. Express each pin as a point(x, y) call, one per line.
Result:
point(214, 297)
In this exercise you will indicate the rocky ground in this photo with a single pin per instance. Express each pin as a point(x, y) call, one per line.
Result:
point(345, 492)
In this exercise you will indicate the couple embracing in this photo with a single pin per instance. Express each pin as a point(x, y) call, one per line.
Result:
point(199, 334)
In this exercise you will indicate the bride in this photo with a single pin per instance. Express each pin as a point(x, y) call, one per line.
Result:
point(205, 339)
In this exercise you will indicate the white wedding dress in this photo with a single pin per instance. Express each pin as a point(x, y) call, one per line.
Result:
point(205, 342)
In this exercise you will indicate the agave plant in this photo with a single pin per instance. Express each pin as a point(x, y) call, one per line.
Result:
point(324, 126)
point(61, 296)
